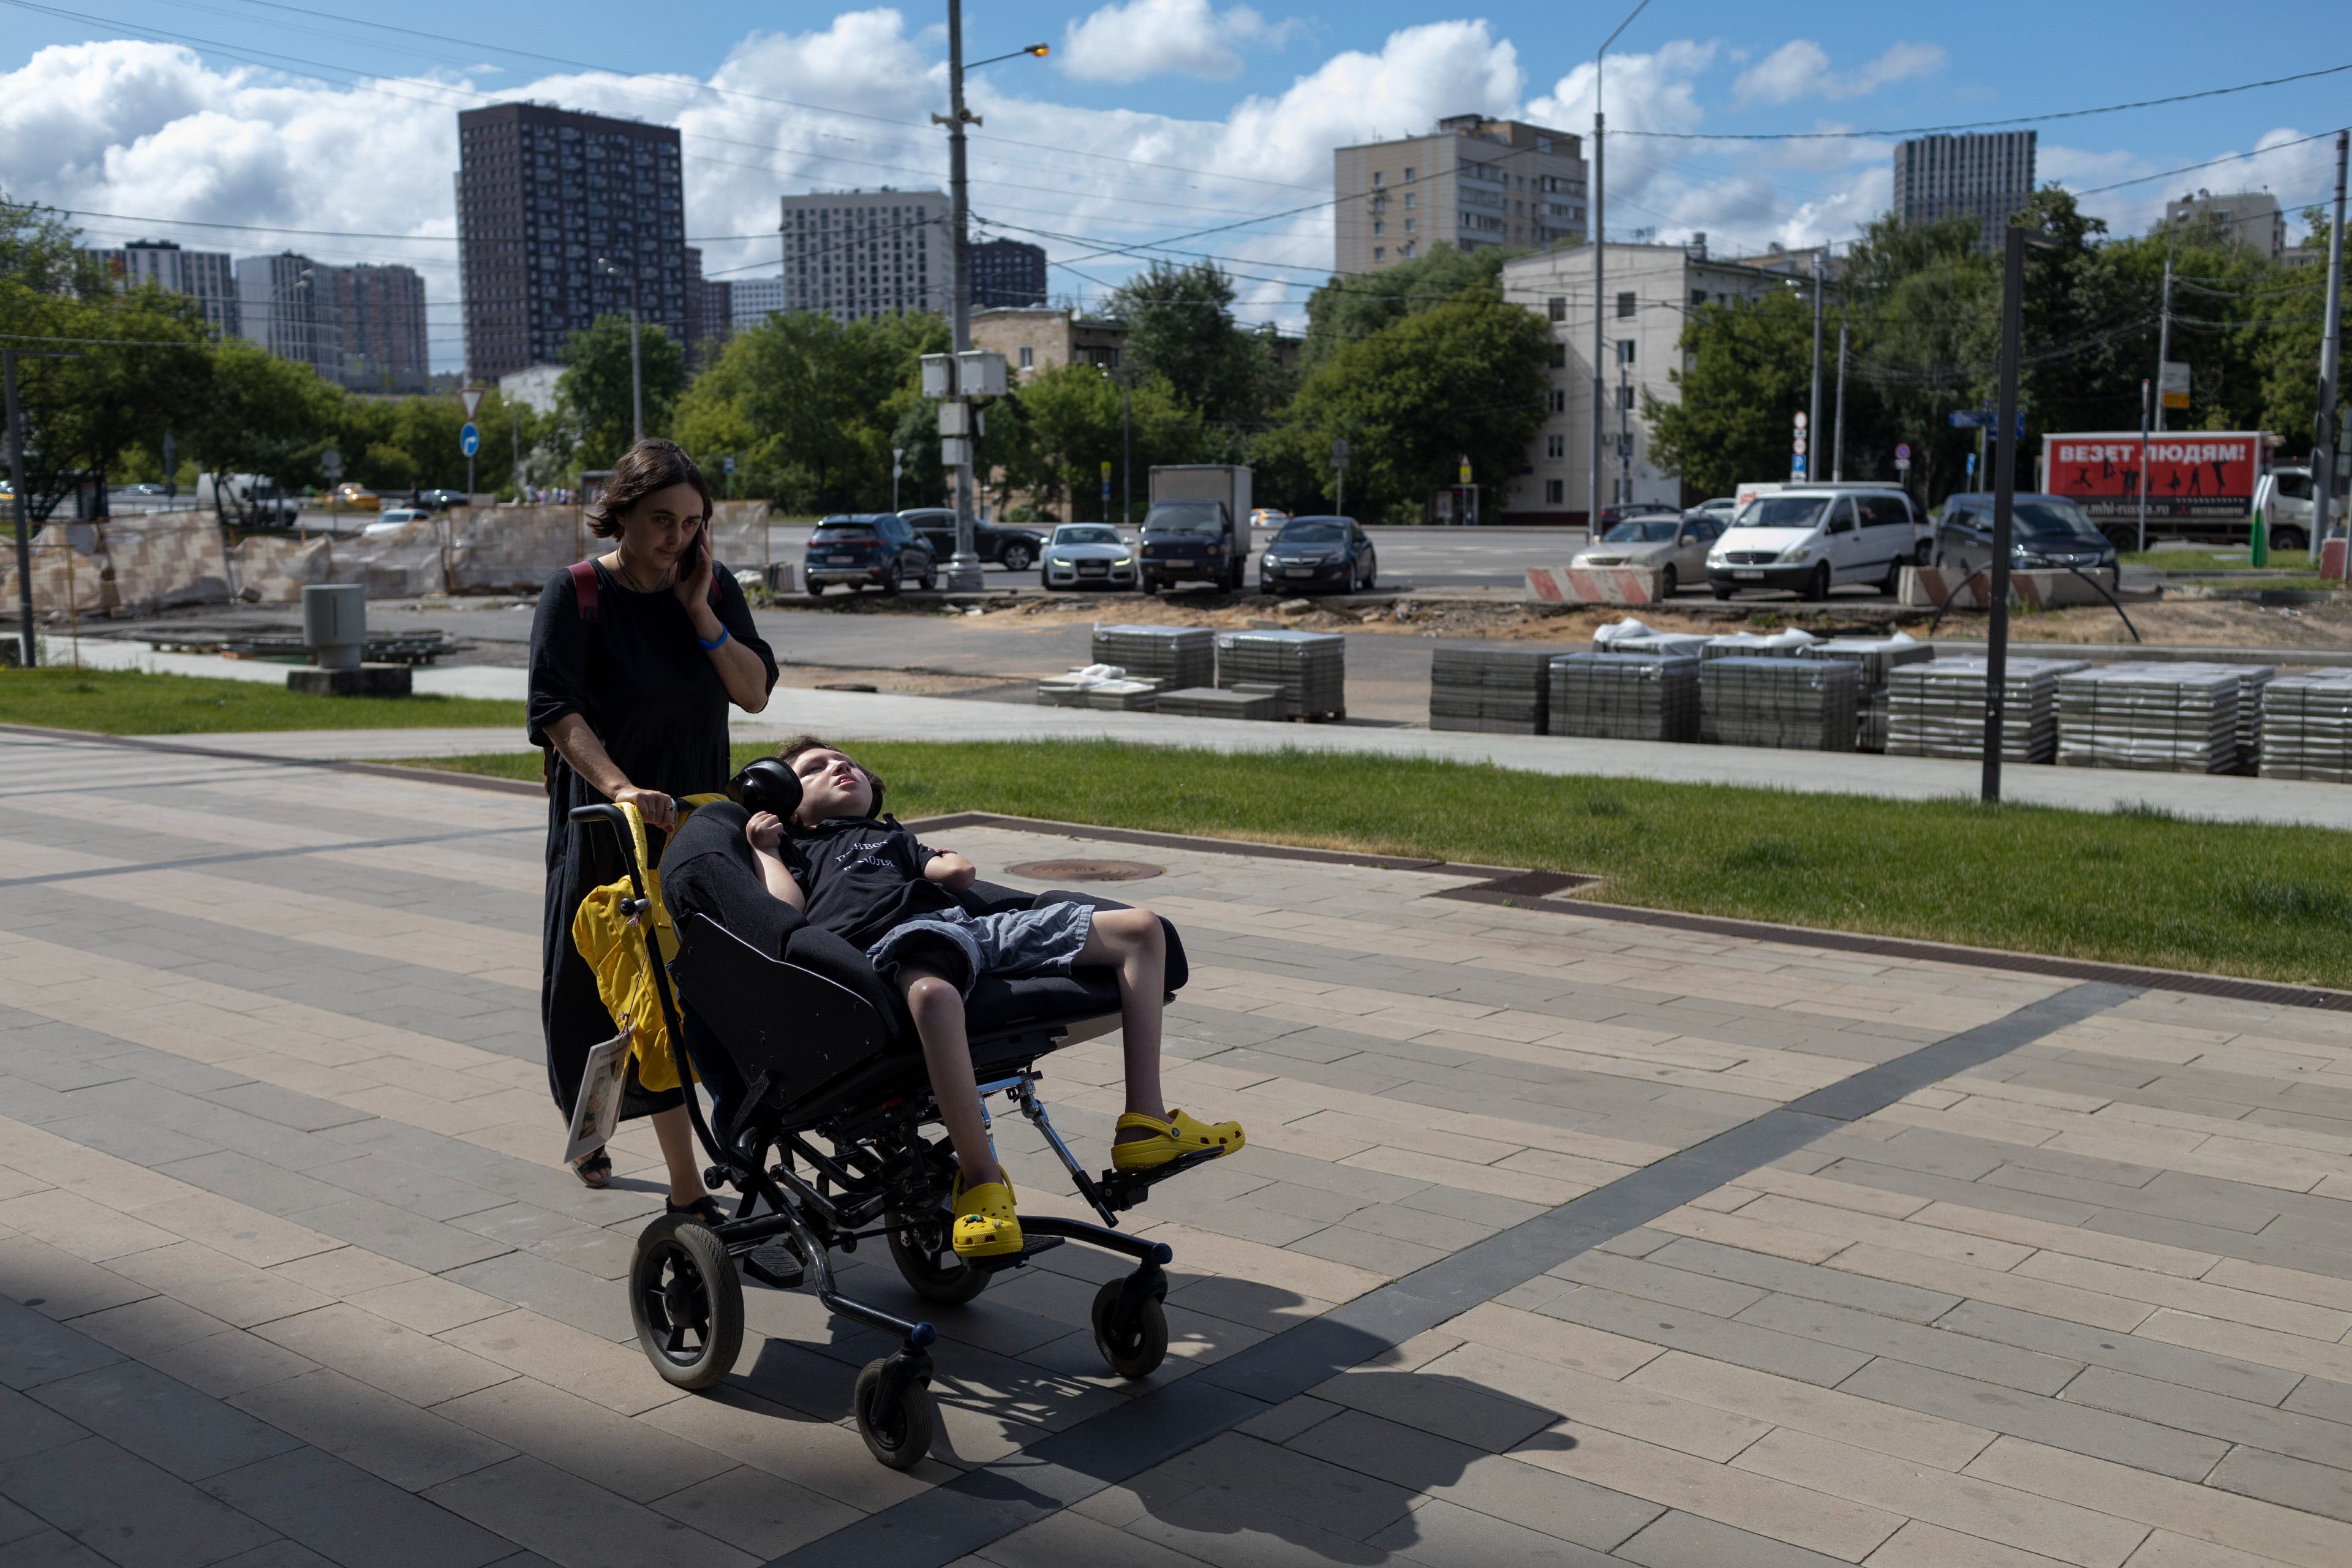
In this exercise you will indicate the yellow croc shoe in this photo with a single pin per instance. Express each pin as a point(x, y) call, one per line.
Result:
point(985, 1224)
point(1179, 1135)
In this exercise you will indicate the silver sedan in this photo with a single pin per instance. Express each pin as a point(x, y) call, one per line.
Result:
point(1086, 555)
point(1676, 546)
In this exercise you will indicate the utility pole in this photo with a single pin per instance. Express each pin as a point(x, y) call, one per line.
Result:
point(1814, 420)
point(2331, 350)
point(2164, 341)
point(611, 269)
point(963, 572)
point(2143, 467)
point(1598, 232)
point(30, 653)
point(1624, 422)
point(1837, 445)
point(1125, 451)
point(2004, 500)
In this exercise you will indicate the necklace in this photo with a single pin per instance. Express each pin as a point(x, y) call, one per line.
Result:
point(620, 569)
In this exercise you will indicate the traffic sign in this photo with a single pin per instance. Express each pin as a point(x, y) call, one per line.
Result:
point(1797, 447)
point(1340, 452)
point(1466, 470)
point(330, 463)
point(472, 398)
point(1800, 421)
point(1902, 452)
point(728, 463)
point(469, 440)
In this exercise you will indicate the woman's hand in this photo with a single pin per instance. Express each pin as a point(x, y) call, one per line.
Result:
point(763, 831)
point(656, 808)
point(693, 588)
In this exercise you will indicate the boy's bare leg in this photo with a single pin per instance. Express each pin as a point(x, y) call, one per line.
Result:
point(937, 1009)
point(675, 1135)
point(1133, 941)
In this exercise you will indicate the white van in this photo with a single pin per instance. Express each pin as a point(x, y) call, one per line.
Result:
point(1808, 538)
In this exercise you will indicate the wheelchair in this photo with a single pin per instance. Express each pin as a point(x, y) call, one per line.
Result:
point(824, 1141)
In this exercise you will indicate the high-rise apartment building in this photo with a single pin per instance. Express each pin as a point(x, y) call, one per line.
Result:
point(753, 299)
point(863, 255)
point(1472, 182)
point(1007, 274)
point(710, 312)
point(2248, 217)
point(380, 328)
point(208, 276)
point(564, 217)
point(288, 304)
point(1984, 176)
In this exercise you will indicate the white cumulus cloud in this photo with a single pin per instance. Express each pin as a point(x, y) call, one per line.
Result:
point(1800, 68)
point(1163, 37)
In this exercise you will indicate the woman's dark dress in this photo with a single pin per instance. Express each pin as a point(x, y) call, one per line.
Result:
point(653, 698)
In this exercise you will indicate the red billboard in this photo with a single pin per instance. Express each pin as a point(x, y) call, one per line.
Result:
point(2200, 474)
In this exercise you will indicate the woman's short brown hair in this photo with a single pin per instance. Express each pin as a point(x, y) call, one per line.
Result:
point(652, 464)
point(799, 745)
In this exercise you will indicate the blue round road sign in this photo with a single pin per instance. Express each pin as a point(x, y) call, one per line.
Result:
point(469, 440)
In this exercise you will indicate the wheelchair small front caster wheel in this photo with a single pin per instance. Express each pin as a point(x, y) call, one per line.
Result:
point(898, 1431)
point(1134, 1343)
point(931, 1267)
point(687, 1302)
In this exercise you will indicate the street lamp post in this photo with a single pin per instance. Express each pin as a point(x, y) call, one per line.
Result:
point(611, 269)
point(1597, 232)
point(963, 572)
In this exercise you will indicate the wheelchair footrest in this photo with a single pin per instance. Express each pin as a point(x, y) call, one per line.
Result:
point(1031, 1246)
point(1125, 1189)
point(774, 1264)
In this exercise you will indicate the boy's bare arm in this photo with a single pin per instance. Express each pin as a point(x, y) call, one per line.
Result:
point(952, 871)
point(765, 833)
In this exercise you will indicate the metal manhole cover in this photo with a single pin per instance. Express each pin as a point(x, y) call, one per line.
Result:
point(1085, 870)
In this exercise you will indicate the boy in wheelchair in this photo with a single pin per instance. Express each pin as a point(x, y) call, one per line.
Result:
point(861, 876)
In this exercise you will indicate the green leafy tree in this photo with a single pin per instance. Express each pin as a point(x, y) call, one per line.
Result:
point(261, 415)
point(1346, 309)
point(595, 390)
point(1050, 440)
point(1463, 378)
point(1748, 367)
point(1181, 330)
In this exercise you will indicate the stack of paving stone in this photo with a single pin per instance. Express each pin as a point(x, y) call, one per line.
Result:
point(1104, 686)
point(1624, 697)
point(2308, 727)
point(2153, 717)
point(2254, 683)
point(1309, 668)
point(1174, 656)
point(1214, 703)
point(1800, 705)
point(1875, 660)
point(1498, 690)
point(1936, 708)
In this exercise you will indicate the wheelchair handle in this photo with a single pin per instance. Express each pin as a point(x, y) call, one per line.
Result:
point(629, 827)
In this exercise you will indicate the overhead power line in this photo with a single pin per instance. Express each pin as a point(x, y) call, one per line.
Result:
point(1986, 124)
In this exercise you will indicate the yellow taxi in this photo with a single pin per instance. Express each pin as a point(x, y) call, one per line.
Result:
point(355, 498)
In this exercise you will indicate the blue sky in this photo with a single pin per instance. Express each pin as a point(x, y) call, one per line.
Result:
point(1153, 120)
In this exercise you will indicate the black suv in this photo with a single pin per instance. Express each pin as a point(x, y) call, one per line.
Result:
point(867, 550)
point(1014, 549)
point(2045, 531)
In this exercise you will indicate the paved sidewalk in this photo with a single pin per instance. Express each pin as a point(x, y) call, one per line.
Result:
point(290, 1275)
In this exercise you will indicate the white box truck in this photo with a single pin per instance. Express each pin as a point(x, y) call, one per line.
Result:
point(1198, 529)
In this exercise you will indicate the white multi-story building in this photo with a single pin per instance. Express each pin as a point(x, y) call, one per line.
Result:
point(208, 276)
point(1652, 291)
point(863, 255)
point(755, 299)
point(1472, 182)
point(288, 305)
point(1982, 175)
point(2249, 218)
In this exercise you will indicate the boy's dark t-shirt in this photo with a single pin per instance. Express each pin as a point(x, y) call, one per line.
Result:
point(862, 877)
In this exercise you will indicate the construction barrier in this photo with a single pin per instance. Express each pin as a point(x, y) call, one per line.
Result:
point(65, 579)
point(1602, 585)
point(1927, 587)
point(515, 549)
point(161, 564)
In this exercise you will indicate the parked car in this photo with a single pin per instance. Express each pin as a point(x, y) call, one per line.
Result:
point(2284, 497)
point(1309, 552)
point(1810, 539)
point(1087, 555)
point(867, 550)
point(2045, 531)
point(1676, 546)
point(1723, 509)
point(352, 497)
point(1611, 516)
point(392, 520)
point(1268, 517)
point(440, 500)
point(1014, 549)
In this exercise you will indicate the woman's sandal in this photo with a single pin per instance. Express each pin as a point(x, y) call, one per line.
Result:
point(704, 1210)
point(593, 1170)
point(1173, 1139)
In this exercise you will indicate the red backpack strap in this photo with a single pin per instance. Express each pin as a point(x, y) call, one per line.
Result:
point(583, 589)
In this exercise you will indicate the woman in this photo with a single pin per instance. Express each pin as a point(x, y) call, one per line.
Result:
point(629, 691)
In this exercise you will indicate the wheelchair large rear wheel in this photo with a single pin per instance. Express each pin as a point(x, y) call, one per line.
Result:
point(1134, 1344)
point(687, 1302)
point(930, 1265)
point(900, 1436)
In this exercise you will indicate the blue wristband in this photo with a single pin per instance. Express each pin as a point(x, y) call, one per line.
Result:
point(715, 644)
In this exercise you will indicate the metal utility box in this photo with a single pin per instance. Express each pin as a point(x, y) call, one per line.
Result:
point(334, 623)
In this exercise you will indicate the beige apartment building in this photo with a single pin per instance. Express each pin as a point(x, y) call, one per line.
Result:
point(1651, 292)
point(1037, 337)
point(2249, 218)
point(1472, 182)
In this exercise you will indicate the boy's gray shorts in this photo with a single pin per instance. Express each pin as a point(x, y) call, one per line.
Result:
point(1019, 941)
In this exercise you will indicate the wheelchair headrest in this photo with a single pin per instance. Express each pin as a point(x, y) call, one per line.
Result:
point(766, 784)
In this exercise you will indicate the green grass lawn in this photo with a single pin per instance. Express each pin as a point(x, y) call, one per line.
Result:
point(2131, 887)
point(2286, 562)
point(126, 703)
